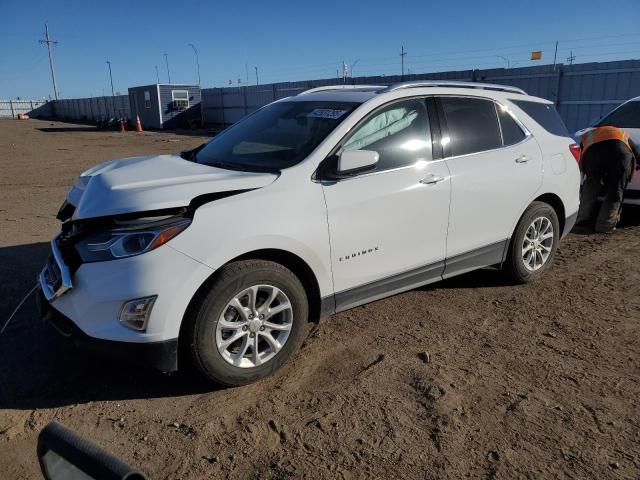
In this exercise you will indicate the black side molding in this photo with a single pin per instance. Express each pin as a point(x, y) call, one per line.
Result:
point(389, 286)
point(465, 262)
point(480, 257)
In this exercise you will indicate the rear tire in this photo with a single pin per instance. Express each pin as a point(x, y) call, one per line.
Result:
point(260, 304)
point(534, 243)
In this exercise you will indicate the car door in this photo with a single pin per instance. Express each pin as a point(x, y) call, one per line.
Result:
point(388, 226)
point(495, 167)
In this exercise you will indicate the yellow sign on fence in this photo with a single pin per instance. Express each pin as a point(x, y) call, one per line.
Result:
point(537, 55)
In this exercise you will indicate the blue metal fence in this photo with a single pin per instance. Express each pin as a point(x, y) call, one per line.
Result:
point(581, 92)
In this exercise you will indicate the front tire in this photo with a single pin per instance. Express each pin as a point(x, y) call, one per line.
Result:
point(249, 322)
point(534, 244)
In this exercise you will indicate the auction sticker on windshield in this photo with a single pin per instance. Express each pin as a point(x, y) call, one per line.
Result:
point(326, 113)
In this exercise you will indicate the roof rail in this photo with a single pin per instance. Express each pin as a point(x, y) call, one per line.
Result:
point(339, 87)
point(454, 84)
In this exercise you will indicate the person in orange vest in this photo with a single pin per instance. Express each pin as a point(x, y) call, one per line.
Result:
point(609, 159)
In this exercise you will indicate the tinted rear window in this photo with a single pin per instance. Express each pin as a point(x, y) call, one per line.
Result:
point(545, 115)
point(472, 124)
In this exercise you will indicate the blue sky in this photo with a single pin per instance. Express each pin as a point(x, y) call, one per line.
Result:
point(293, 40)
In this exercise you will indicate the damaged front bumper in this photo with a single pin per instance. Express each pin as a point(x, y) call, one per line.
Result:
point(85, 302)
point(162, 356)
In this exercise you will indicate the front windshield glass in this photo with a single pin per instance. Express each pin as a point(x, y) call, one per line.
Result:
point(627, 116)
point(275, 137)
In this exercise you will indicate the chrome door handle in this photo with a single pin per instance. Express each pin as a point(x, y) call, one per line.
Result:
point(431, 179)
point(523, 159)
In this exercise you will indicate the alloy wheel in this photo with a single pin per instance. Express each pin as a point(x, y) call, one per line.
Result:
point(537, 244)
point(254, 326)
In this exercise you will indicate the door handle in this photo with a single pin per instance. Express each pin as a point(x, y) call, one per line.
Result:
point(431, 179)
point(523, 159)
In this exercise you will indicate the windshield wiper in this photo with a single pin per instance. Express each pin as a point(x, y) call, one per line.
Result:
point(228, 166)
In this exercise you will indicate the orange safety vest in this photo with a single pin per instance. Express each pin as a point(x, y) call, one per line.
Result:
point(600, 134)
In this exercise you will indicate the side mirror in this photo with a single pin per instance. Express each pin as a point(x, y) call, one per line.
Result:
point(355, 161)
point(65, 455)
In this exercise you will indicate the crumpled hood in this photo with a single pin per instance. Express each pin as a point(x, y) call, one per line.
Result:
point(152, 183)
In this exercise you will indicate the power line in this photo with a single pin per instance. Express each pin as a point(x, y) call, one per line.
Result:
point(369, 66)
point(443, 60)
point(48, 41)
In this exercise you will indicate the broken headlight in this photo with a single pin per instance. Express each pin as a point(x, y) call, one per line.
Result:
point(127, 239)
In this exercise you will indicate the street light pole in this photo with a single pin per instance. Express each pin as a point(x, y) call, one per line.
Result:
point(195, 50)
point(256, 68)
point(166, 62)
point(353, 64)
point(157, 74)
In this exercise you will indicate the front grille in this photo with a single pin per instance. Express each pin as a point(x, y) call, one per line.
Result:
point(52, 274)
point(55, 277)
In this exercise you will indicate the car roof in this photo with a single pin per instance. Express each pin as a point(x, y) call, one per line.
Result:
point(338, 93)
point(362, 93)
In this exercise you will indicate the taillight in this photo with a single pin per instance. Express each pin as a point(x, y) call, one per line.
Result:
point(575, 151)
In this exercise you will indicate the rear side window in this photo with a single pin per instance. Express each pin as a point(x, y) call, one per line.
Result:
point(545, 115)
point(627, 116)
point(472, 125)
point(511, 131)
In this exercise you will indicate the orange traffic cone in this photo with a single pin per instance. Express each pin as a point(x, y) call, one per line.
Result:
point(122, 128)
point(138, 124)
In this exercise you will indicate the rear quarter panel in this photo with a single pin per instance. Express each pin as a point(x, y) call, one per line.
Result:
point(561, 173)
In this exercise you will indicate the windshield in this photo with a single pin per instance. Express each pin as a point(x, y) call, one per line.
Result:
point(277, 136)
point(627, 116)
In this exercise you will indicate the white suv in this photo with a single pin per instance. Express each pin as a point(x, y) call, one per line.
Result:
point(311, 205)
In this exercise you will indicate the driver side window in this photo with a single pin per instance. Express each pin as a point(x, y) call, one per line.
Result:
point(399, 132)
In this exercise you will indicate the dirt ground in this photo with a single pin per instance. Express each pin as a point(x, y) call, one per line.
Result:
point(469, 378)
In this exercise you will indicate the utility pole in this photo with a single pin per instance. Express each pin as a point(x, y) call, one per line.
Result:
point(246, 71)
point(166, 61)
point(197, 61)
point(157, 75)
point(47, 40)
point(256, 68)
point(506, 60)
point(571, 58)
point(402, 55)
point(555, 57)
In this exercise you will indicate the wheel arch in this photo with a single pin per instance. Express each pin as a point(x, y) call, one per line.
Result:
point(293, 262)
point(558, 206)
point(299, 267)
point(551, 199)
